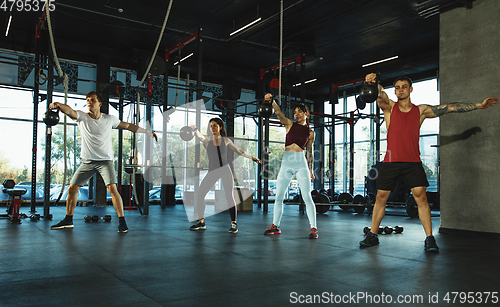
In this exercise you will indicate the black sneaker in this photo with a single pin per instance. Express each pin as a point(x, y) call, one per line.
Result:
point(272, 230)
point(62, 225)
point(370, 240)
point(198, 226)
point(430, 244)
point(314, 233)
point(122, 227)
point(234, 228)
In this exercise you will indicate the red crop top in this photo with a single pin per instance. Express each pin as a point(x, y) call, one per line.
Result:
point(298, 134)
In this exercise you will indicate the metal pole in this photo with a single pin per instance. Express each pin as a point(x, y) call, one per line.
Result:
point(291, 110)
point(48, 141)
point(351, 155)
point(199, 92)
point(258, 183)
point(344, 147)
point(377, 135)
point(35, 126)
point(147, 155)
point(266, 165)
point(120, 145)
point(164, 143)
point(302, 79)
point(333, 101)
point(74, 147)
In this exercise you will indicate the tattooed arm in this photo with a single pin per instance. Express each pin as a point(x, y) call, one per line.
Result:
point(427, 111)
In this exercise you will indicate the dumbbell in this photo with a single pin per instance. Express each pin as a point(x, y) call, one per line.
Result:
point(366, 230)
point(395, 229)
point(36, 217)
point(96, 218)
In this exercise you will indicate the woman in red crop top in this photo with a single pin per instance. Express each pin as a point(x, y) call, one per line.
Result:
point(299, 137)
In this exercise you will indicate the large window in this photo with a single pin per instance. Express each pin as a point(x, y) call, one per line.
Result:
point(17, 131)
point(16, 123)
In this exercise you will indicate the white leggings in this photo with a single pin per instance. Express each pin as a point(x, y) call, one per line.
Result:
point(294, 163)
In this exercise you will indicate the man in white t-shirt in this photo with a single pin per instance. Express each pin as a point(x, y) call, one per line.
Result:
point(96, 155)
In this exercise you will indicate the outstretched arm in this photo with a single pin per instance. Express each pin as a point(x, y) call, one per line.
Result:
point(197, 134)
point(283, 119)
point(457, 107)
point(241, 152)
point(383, 100)
point(65, 109)
point(136, 129)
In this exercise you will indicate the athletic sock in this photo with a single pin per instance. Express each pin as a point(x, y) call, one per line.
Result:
point(69, 218)
point(121, 220)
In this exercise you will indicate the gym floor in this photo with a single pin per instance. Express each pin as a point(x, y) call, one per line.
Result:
point(160, 262)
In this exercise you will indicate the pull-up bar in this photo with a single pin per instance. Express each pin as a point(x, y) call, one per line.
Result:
point(347, 119)
point(263, 71)
point(335, 87)
point(180, 45)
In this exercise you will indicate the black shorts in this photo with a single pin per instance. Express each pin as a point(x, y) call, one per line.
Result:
point(413, 173)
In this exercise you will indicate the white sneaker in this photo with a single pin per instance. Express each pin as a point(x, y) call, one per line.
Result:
point(234, 228)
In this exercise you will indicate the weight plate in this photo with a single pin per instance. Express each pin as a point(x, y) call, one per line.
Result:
point(345, 198)
point(358, 199)
point(297, 199)
point(321, 209)
point(321, 199)
point(411, 207)
point(370, 201)
point(359, 209)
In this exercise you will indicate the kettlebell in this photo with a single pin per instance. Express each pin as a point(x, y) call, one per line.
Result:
point(360, 103)
point(186, 133)
point(266, 109)
point(51, 117)
point(369, 91)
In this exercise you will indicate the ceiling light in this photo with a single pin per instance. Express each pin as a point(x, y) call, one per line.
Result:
point(248, 25)
point(373, 63)
point(183, 58)
point(309, 81)
point(8, 26)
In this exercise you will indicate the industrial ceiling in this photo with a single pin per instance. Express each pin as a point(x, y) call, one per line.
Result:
point(334, 37)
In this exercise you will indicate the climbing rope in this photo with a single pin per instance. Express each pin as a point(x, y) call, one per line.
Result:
point(281, 50)
point(66, 85)
point(139, 96)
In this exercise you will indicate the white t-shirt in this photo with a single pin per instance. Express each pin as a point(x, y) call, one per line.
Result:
point(96, 136)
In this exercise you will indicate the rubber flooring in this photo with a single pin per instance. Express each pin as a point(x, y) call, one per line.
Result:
point(160, 262)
